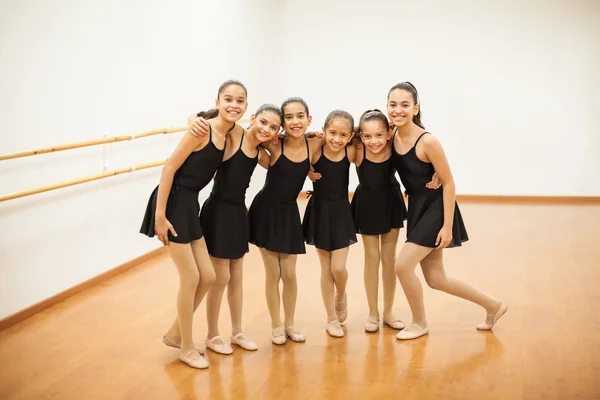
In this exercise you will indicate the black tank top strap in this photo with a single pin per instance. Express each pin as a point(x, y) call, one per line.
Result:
point(307, 148)
point(282, 140)
point(419, 138)
point(364, 152)
point(242, 139)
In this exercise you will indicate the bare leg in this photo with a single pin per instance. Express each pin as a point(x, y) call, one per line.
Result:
point(339, 271)
point(290, 286)
point(327, 291)
point(182, 256)
point(206, 280)
point(327, 284)
point(410, 255)
point(272, 277)
point(371, 274)
point(235, 294)
point(435, 275)
point(388, 275)
point(235, 297)
point(215, 296)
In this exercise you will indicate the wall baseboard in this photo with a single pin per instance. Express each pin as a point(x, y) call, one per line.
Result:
point(64, 295)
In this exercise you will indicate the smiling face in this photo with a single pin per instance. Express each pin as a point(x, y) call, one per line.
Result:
point(232, 103)
point(295, 119)
point(265, 125)
point(338, 133)
point(374, 135)
point(401, 107)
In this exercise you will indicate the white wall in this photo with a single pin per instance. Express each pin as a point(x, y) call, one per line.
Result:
point(72, 71)
point(509, 87)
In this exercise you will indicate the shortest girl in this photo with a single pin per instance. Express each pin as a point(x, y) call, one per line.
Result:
point(327, 222)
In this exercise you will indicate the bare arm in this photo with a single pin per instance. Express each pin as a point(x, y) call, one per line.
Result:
point(263, 158)
point(185, 147)
point(351, 149)
point(435, 153)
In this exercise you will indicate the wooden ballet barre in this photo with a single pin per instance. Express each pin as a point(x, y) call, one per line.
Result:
point(78, 181)
point(89, 143)
point(95, 142)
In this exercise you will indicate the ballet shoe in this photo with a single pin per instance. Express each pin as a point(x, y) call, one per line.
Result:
point(372, 325)
point(393, 322)
point(412, 332)
point(341, 309)
point(484, 326)
point(278, 336)
point(194, 362)
point(245, 343)
point(220, 348)
point(334, 329)
point(295, 334)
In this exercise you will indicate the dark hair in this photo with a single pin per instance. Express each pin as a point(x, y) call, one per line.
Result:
point(294, 100)
point(410, 88)
point(271, 108)
point(340, 114)
point(212, 113)
point(373, 115)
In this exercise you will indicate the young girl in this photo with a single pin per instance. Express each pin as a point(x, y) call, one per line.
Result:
point(378, 211)
point(275, 226)
point(172, 214)
point(327, 222)
point(434, 220)
point(225, 222)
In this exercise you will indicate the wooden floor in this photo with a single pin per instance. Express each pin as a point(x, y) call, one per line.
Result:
point(543, 260)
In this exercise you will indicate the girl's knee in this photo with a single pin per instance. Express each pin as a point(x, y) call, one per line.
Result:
point(272, 274)
point(436, 281)
point(402, 268)
point(288, 275)
point(222, 278)
point(338, 269)
point(208, 279)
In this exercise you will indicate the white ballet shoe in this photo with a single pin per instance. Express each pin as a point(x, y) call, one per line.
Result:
point(412, 332)
point(393, 322)
point(194, 361)
point(171, 343)
point(334, 329)
point(295, 334)
point(278, 336)
point(372, 325)
point(240, 340)
point(484, 326)
point(220, 348)
point(341, 308)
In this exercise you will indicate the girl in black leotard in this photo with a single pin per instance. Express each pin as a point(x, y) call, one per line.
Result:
point(434, 221)
point(327, 220)
point(172, 214)
point(379, 212)
point(275, 226)
point(225, 221)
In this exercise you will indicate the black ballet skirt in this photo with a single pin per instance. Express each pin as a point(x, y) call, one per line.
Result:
point(327, 222)
point(274, 216)
point(224, 217)
point(425, 206)
point(377, 204)
point(183, 209)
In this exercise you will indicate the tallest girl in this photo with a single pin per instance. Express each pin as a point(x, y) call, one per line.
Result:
point(434, 221)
